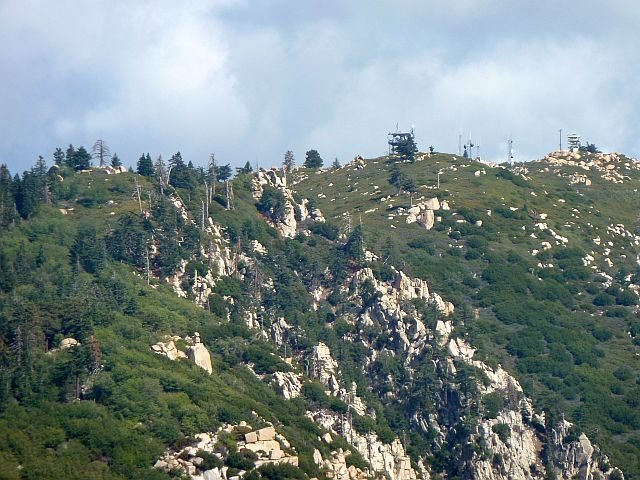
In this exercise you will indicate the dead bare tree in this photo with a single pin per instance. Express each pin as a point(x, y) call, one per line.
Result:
point(213, 176)
point(101, 151)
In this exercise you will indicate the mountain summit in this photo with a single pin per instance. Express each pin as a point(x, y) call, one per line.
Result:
point(434, 318)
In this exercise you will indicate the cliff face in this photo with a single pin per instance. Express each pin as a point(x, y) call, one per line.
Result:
point(476, 413)
point(515, 442)
point(294, 212)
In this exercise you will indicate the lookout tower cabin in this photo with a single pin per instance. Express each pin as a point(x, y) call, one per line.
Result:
point(397, 140)
point(573, 140)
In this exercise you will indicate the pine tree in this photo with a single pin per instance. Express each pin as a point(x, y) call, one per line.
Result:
point(8, 212)
point(336, 163)
point(408, 149)
point(313, 159)
point(410, 187)
point(69, 156)
point(354, 248)
point(289, 161)
point(179, 173)
point(224, 172)
point(212, 178)
point(58, 157)
point(81, 159)
point(145, 166)
point(396, 178)
point(40, 168)
point(246, 169)
point(27, 193)
point(115, 161)
point(88, 250)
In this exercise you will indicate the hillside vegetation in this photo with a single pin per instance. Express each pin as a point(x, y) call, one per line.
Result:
point(320, 279)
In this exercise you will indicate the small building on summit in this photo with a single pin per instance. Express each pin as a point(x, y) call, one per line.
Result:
point(398, 140)
point(573, 140)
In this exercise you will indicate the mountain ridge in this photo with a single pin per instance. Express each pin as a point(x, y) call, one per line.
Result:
point(316, 275)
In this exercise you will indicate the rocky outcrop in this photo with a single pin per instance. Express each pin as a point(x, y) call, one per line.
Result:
point(612, 167)
point(389, 459)
point(265, 443)
point(214, 253)
point(168, 348)
point(199, 354)
point(293, 212)
point(358, 162)
point(335, 466)
point(289, 383)
point(323, 366)
point(577, 179)
point(392, 294)
point(325, 369)
point(512, 445)
point(196, 352)
point(423, 213)
point(68, 342)
point(577, 457)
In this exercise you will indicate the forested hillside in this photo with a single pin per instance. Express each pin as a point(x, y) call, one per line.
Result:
point(424, 319)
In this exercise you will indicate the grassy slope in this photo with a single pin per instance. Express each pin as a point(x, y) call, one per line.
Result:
point(569, 354)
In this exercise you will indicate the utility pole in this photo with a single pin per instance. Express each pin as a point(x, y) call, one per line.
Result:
point(560, 139)
point(510, 151)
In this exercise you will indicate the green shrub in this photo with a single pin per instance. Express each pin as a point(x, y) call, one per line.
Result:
point(325, 229)
point(363, 425)
point(602, 300)
point(623, 373)
point(502, 430)
point(244, 460)
point(283, 471)
point(210, 460)
point(493, 403)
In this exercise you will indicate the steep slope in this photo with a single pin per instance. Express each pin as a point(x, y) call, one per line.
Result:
point(539, 261)
point(327, 307)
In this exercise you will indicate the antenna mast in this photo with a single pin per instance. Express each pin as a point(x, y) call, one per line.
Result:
point(560, 131)
point(510, 151)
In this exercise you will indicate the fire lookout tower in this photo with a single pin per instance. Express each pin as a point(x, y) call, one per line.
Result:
point(398, 141)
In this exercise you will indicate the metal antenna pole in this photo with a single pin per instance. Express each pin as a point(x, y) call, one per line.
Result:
point(560, 131)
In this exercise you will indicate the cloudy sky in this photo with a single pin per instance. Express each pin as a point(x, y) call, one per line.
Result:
point(249, 80)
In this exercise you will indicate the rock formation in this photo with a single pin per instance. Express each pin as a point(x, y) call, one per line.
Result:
point(196, 352)
point(287, 226)
point(168, 348)
point(265, 443)
point(290, 384)
point(423, 213)
point(199, 354)
point(389, 459)
point(336, 467)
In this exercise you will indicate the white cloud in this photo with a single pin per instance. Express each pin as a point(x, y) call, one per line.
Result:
point(249, 80)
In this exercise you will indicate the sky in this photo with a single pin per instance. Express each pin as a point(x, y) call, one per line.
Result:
point(248, 80)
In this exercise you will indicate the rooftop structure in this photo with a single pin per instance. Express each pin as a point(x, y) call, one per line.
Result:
point(573, 139)
point(398, 139)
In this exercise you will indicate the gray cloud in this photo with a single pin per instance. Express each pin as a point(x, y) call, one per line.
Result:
point(249, 80)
